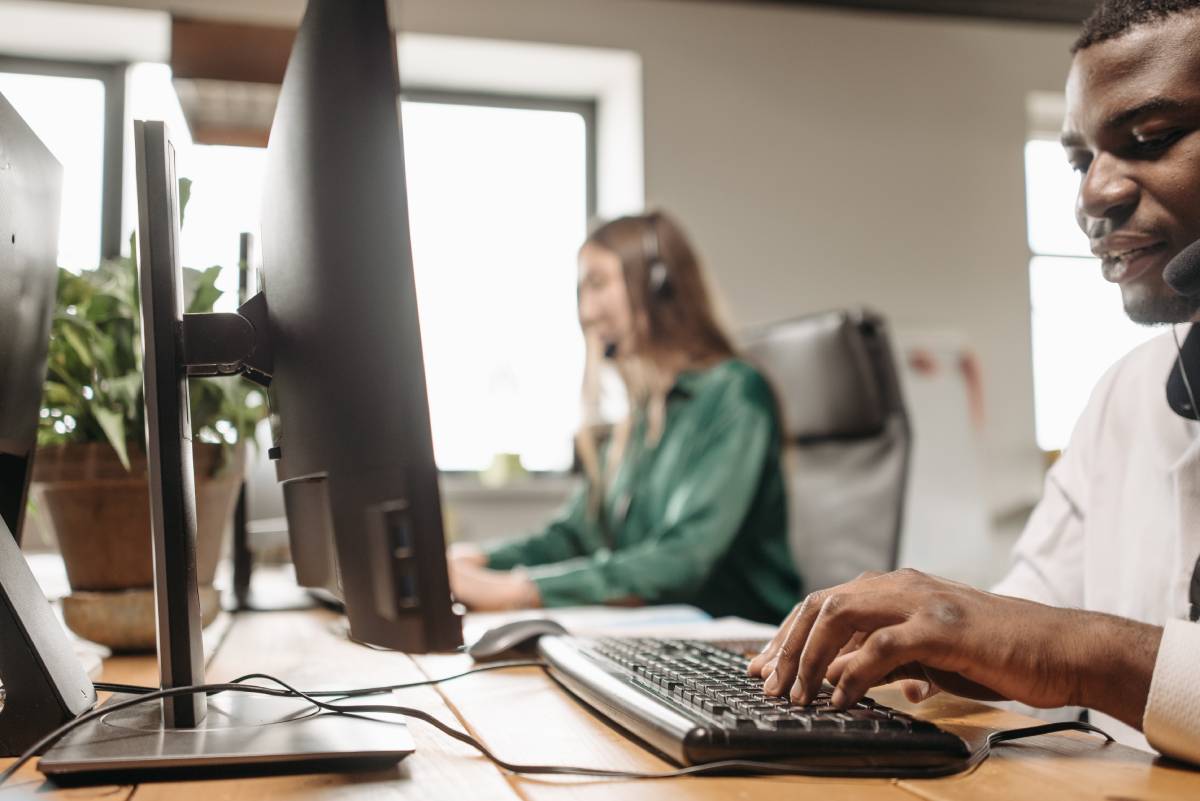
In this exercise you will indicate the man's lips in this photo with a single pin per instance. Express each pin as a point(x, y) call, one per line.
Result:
point(1123, 262)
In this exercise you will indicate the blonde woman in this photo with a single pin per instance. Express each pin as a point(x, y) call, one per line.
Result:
point(686, 502)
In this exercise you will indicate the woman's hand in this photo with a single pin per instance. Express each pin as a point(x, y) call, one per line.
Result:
point(467, 554)
point(484, 590)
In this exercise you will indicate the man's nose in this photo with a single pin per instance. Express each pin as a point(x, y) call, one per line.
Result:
point(1107, 192)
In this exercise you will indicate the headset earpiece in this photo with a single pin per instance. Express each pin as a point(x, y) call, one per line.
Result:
point(658, 277)
point(659, 282)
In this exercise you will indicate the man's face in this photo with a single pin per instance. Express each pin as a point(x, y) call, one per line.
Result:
point(1133, 133)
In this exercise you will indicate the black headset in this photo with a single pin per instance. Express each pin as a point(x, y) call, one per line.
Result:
point(658, 277)
point(1182, 275)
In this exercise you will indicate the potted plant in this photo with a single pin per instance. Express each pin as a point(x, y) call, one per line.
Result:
point(90, 486)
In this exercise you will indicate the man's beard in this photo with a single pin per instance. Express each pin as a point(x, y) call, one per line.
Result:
point(1161, 307)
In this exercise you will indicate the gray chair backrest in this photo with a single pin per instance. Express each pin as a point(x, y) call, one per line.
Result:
point(847, 440)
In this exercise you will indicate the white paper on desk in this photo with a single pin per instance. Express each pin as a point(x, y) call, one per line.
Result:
point(675, 620)
point(723, 628)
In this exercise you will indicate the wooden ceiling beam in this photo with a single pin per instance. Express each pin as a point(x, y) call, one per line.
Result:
point(227, 51)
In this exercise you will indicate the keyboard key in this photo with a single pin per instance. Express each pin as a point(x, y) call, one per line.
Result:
point(824, 723)
point(784, 722)
point(711, 687)
point(734, 721)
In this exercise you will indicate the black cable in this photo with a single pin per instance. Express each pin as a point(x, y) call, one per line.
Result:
point(135, 689)
point(1007, 735)
point(125, 689)
point(723, 767)
point(1187, 384)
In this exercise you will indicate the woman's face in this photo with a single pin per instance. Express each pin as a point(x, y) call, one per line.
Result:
point(604, 310)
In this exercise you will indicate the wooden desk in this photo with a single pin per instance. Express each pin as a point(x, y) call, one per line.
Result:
point(525, 717)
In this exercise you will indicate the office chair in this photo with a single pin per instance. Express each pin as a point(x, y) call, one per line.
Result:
point(847, 440)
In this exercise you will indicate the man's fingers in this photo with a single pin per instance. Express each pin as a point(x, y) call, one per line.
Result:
point(842, 617)
point(759, 663)
point(787, 656)
point(780, 659)
point(854, 642)
point(883, 653)
point(918, 690)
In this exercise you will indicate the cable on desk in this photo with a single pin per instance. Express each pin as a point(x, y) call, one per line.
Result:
point(723, 767)
point(135, 689)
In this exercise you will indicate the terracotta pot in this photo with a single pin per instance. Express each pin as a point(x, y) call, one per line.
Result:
point(99, 513)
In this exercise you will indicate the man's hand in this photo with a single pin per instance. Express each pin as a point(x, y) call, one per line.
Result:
point(484, 590)
point(907, 625)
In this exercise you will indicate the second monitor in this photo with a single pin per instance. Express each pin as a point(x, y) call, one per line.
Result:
point(353, 440)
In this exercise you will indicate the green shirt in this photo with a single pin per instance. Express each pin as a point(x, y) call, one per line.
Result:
point(699, 518)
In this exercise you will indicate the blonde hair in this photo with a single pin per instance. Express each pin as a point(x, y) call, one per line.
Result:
point(677, 326)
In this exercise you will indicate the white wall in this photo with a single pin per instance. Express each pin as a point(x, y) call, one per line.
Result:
point(825, 158)
point(821, 158)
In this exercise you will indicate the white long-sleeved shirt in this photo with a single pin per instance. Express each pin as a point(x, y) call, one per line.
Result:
point(1118, 531)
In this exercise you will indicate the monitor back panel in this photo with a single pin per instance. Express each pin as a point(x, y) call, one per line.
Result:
point(30, 194)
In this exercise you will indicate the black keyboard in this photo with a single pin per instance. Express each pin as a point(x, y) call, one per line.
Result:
point(693, 702)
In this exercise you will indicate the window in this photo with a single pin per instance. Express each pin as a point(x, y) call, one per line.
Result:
point(498, 203)
point(68, 115)
point(226, 191)
point(1079, 325)
point(499, 194)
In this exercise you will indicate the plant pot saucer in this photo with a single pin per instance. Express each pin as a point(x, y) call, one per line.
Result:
point(123, 620)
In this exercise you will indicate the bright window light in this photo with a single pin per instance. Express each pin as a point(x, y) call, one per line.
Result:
point(226, 191)
point(225, 202)
point(1079, 325)
point(67, 114)
point(497, 209)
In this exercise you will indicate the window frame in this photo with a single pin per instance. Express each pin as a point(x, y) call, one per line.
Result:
point(112, 76)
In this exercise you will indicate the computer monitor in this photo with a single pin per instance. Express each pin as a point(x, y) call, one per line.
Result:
point(30, 190)
point(42, 684)
point(334, 335)
point(353, 443)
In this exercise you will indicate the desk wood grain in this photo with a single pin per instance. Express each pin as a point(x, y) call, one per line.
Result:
point(525, 717)
point(540, 722)
point(1068, 765)
point(309, 650)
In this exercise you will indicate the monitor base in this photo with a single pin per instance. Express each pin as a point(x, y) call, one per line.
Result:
point(242, 735)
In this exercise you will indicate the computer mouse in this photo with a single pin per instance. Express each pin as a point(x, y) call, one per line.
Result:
point(512, 640)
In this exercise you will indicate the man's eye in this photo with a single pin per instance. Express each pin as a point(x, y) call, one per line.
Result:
point(1156, 143)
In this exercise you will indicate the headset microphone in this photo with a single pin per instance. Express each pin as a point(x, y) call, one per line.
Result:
point(1182, 274)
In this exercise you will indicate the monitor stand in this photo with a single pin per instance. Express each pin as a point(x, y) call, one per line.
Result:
point(198, 735)
point(240, 735)
point(44, 686)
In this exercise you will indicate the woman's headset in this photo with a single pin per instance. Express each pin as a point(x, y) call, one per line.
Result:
point(658, 277)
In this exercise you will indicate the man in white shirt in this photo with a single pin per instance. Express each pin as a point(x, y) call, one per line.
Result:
point(1095, 611)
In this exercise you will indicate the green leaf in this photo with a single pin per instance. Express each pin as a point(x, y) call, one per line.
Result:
point(96, 349)
point(185, 194)
point(113, 425)
point(201, 287)
point(58, 395)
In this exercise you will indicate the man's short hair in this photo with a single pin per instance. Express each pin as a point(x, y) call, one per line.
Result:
point(1113, 18)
